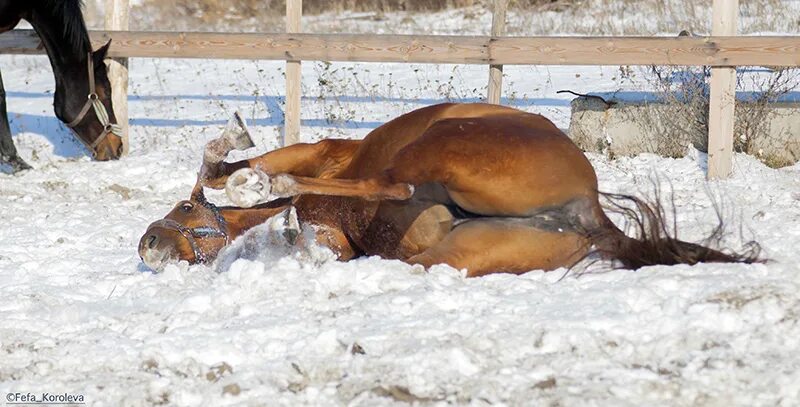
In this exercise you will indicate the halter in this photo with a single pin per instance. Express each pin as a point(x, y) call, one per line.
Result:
point(99, 110)
point(192, 234)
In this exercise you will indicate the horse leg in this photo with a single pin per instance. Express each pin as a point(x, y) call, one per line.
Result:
point(8, 153)
point(313, 160)
point(235, 136)
point(497, 245)
point(247, 187)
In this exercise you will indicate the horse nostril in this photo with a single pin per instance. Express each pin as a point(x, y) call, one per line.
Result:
point(152, 241)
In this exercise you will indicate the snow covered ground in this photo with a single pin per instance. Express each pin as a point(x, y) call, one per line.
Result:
point(80, 314)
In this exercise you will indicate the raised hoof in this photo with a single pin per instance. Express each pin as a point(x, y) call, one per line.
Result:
point(241, 139)
point(235, 136)
point(248, 187)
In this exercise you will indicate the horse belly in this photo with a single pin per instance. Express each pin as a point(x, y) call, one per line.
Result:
point(401, 229)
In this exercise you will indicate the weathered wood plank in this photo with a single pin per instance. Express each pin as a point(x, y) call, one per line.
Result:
point(341, 47)
point(711, 51)
point(21, 42)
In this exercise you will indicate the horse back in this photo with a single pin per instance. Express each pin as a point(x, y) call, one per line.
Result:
point(378, 149)
point(493, 160)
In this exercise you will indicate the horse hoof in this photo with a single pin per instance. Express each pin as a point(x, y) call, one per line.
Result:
point(241, 139)
point(235, 136)
point(17, 164)
point(20, 165)
point(248, 187)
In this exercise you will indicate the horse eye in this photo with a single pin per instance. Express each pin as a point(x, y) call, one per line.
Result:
point(187, 207)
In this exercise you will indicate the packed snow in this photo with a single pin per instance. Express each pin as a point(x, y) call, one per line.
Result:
point(273, 325)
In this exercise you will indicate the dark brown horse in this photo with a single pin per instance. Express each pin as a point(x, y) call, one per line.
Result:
point(82, 97)
point(481, 187)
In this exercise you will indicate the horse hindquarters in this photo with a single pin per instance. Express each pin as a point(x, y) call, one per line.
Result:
point(497, 166)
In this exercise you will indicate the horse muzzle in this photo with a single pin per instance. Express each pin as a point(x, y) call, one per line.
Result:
point(160, 246)
point(109, 149)
point(157, 259)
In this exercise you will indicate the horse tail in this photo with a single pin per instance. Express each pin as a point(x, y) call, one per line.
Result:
point(653, 243)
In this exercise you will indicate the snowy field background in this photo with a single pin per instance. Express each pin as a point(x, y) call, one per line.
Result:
point(81, 314)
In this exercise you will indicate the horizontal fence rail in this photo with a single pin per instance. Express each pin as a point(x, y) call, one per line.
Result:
point(777, 51)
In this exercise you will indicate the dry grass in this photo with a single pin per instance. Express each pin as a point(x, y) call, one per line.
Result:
point(216, 9)
point(685, 92)
point(265, 15)
point(636, 17)
point(525, 17)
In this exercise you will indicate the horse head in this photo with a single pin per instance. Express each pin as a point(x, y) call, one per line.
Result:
point(87, 109)
point(195, 230)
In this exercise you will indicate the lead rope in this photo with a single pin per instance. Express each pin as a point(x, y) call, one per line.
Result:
point(99, 110)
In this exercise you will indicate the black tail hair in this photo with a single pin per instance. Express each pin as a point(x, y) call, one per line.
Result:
point(654, 243)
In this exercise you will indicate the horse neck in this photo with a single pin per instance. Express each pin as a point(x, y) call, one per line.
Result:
point(240, 220)
point(63, 33)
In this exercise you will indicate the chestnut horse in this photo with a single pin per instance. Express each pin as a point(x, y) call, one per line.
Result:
point(480, 187)
point(82, 98)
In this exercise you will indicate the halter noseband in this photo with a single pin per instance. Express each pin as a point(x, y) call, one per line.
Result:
point(192, 234)
point(99, 110)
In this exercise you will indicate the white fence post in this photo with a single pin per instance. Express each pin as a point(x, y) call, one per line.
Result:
point(723, 96)
point(117, 20)
point(291, 129)
point(496, 71)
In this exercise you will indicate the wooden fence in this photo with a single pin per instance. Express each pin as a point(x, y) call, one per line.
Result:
point(723, 51)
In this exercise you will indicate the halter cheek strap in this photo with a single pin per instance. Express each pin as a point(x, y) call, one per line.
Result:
point(93, 101)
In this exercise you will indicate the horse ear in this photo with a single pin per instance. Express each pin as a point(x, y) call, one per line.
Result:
point(100, 54)
point(197, 192)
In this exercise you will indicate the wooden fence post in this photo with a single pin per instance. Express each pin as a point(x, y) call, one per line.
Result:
point(291, 127)
point(117, 20)
point(723, 96)
point(496, 71)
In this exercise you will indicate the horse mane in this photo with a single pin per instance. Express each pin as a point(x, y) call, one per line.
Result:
point(70, 12)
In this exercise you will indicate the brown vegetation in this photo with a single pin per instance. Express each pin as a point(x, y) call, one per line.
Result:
point(525, 17)
point(685, 91)
point(248, 8)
